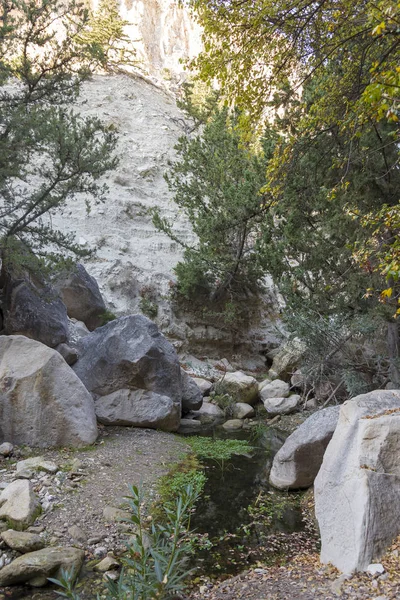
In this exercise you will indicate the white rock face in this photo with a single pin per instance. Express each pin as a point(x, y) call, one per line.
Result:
point(357, 489)
point(42, 401)
point(163, 32)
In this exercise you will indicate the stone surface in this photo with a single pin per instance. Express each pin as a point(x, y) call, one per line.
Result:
point(68, 353)
point(130, 353)
point(189, 426)
point(263, 383)
point(113, 514)
point(204, 385)
point(281, 406)
point(242, 387)
point(297, 463)
point(107, 564)
point(31, 306)
point(209, 414)
point(243, 411)
point(36, 567)
point(77, 534)
point(19, 505)
point(81, 295)
point(138, 408)
point(274, 389)
point(357, 489)
point(22, 541)
point(287, 358)
point(192, 396)
point(233, 424)
point(42, 401)
point(37, 463)
point(6, 449)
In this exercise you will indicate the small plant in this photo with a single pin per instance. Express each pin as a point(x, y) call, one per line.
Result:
point(187, 472)
point(107, 316)
point(217, 449)
point(155, 565)
point(148, 308)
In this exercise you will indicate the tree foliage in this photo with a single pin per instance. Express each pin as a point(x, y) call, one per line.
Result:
point(216, 181)
point(48, 153)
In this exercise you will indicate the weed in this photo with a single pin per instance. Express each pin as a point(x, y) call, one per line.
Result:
point(107, 316)
point(208, 448)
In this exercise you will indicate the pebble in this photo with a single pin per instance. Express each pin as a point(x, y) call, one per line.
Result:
point(100, 551)
point(95, 540)
point(375, 569)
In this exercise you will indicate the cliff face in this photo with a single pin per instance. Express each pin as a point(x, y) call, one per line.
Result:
point(163, 33)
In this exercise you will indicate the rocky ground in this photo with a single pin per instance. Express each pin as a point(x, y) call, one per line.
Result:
point(83, 499)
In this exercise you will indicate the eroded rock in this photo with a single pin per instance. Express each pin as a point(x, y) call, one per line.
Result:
point(274, 389)
point(297, 463)
point(192, 396)
point(42, 401)
point(36, 567)
point(138, 408)
point(357, 489)
point(281, 406)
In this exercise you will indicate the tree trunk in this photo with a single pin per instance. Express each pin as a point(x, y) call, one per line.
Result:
point(393, 342)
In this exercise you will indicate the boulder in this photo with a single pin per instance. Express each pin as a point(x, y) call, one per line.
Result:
point(242, 411)
point(192, 396)
point(297, 463)
point(357, 489)
point(6, 449)
point(242, 387)
point(209, 414)
point(286, 359)
point(138, 408)
point(204, 385)
point(36, 567)
point(189, 426)
point(22, 541)
point(31, 306)
point(130, 354)
point(81, 295)
point(274, 389)
point(19, 505)
point(263, 383)
point(42, 401)
point(281, 406)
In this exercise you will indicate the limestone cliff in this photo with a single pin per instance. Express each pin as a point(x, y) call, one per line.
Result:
point(163, 32)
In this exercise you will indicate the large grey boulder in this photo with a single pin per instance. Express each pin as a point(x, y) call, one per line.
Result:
point(35, 567)
point(130, 353)
point(81, 295)
point(42, 401)
point(242, 387)
point(138, 408)
point(297, 463)
point(19, 505)
point(192, 396)
point(31, 306)
point(357, 489)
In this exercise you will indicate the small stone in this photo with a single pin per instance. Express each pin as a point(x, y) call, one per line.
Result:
point(37, 463)
point(36, 529)
point(233, 424)
point(77, 534)
point(113, 575)
point(100, 551)
point(6, 449)
point(95, 540)
point(375, 569)
point(243, 411)
point(22, 541)
point(19, 505)
point(113, 514)
point(107, 564)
